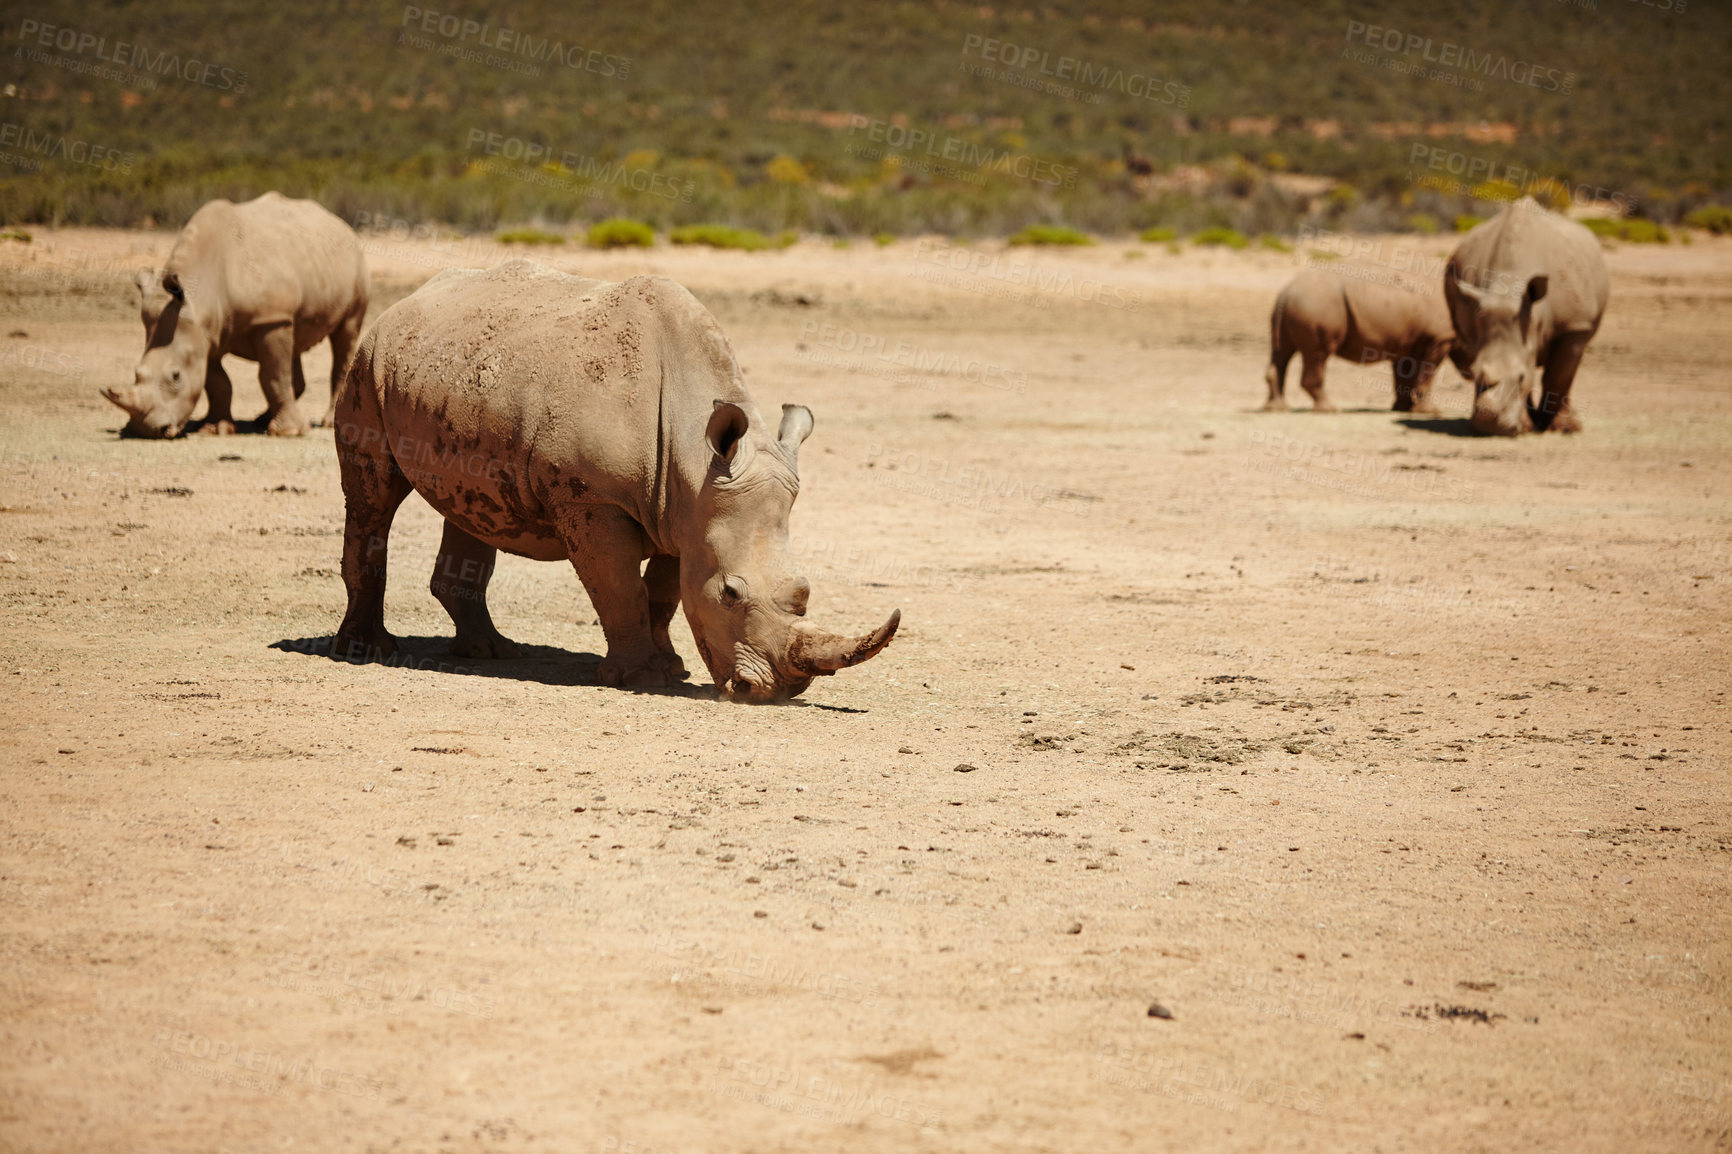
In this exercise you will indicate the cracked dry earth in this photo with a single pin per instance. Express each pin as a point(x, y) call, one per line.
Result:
point(1237, 781)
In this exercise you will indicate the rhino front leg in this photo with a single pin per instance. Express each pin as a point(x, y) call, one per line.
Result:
point(221, 392)
point(460, 576)
point(606, 548)
point(1564, 358)
point(373, 488)
point(661, 578)
point(280, 377)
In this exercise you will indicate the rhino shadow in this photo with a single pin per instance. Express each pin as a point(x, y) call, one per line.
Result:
point(542, 664)
point(1447, 426)
point(253, 426)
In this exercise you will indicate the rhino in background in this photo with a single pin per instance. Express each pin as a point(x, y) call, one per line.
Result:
point(265, 281)
point(1322, 314)
point(1526, 289)
point(566, 419)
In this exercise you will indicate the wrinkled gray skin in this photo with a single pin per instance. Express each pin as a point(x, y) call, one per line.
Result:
point(1526, 289)
point(560, 418)
point(264, 281)
point(1322, 314)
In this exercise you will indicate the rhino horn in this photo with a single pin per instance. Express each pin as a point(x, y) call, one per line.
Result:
point(124, 401)
point(815, 653)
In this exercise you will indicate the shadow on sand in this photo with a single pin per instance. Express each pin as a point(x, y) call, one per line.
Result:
point(542, 664)
point(1447, 426)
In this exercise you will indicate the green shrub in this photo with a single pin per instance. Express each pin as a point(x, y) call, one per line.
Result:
point(1423, 223)
point(883, 238)
point(1271, 241)
point(1716, 218)
point(1157, 234)
point(621, 232)
point(1135, 254)
point(1468, 221)
point(1051, 234)
point(1217, 235)
point(721, 236)
point(16, 234)
point(529, 236)
point(1631, 231)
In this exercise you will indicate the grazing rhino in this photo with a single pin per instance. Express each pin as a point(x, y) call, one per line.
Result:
point(560, 418)
point(265, 281)
point(1527, 289)
point(1322, 314)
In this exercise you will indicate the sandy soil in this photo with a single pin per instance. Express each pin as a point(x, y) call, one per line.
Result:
point(1389, 761)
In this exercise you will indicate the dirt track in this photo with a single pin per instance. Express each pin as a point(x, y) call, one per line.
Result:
point(1390, 761)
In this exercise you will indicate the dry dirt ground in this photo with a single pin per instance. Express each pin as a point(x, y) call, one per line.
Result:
point(1390, 762)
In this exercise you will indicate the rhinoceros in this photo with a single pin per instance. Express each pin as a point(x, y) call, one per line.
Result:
point(1322, 314)
point(560, 418)
point(1527, 289)
point(265, 281)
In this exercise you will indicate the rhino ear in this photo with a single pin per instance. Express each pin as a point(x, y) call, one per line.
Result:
point(1537, 288)
point(728, 424)
point(171, 284)
point(145, 279)
point(796, 427)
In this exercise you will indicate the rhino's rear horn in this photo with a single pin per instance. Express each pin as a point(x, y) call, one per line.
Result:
point(796, 427)
point(816, 653)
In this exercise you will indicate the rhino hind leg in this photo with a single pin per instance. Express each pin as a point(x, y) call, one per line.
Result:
point(220, 391)
point(1554, 412)
point(460, 576)
point(1311, 379)
point(281, 378)
point(661, 578)
point(1275, 375)
point(606, 549)
point(344, 338)
point(373, 488)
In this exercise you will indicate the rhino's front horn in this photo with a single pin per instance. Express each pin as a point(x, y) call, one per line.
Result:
point(124, 401)
point(816, 653)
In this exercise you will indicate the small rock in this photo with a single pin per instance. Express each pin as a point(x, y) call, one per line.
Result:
point(760, 913)
point(1076, 928)
point(905, 749)
point(966, 768)
point(1156, 1010)
point(1132, 668)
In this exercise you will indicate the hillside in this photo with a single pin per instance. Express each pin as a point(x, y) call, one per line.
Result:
point(861, 118)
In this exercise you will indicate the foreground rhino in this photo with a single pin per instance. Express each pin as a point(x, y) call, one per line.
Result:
point(265, 281)
point(561, 418)
point(1322, 314)
point(1527, 289)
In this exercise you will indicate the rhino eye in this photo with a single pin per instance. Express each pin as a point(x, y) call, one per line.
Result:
point(733, 591)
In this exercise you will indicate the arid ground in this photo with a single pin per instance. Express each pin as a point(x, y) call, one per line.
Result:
point(1390, 763)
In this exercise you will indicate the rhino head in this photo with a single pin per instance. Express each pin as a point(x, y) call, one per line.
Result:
point(1505, 370)
point(169, 378)
point(743, 597)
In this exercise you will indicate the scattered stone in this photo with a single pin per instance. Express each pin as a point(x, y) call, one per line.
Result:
point(1156, 1010)
point(964, 767)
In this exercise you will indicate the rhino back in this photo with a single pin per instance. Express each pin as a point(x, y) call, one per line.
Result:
point(523, 393)
point(1398, 312)
point(271, 260)
point(1524, 241)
